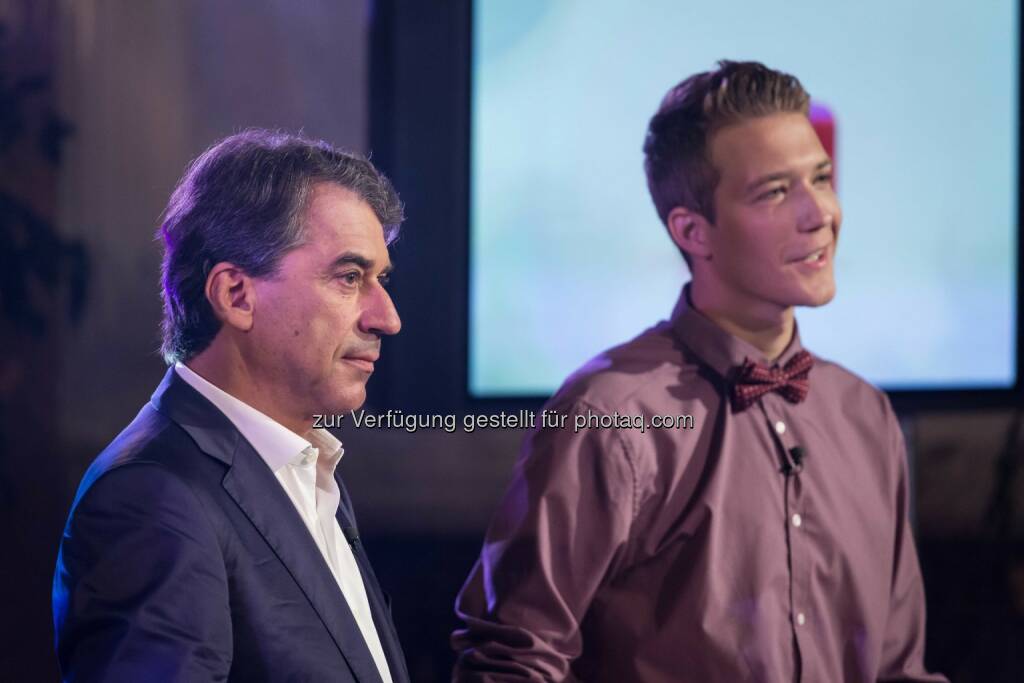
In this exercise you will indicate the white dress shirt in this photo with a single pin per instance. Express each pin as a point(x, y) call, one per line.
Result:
point(305, 468)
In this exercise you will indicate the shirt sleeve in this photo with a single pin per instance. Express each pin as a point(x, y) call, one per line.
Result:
point(903, 644)
point(558, 532)
point(141, 590)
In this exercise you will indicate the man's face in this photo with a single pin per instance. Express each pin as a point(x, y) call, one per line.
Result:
point(777, 216)
point(317, 323)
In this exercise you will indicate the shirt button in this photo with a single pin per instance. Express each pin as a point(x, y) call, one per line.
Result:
point(780, 427)
point(797, 519)
point(800, 619)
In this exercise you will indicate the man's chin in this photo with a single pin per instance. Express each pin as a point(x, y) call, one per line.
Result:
point(351, 398)
point(816, 299)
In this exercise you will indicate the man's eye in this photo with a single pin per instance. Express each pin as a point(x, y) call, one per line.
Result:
point(824, 178)
point(350, 278)
point(384, 279)
point(773, 193)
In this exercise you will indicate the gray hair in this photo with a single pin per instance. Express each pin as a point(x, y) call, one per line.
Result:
point(243, 201)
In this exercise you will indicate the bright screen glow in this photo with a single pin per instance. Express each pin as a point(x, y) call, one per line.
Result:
point(568, 256)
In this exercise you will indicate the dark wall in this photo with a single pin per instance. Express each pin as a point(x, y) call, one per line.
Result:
point(419, 108)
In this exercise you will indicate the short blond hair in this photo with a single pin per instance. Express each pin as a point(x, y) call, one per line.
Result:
point(676, 149)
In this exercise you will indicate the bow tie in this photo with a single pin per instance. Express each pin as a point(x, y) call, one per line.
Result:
point(754, 380)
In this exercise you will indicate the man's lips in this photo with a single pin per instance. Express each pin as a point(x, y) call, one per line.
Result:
point(362, 361)
point(817, 256)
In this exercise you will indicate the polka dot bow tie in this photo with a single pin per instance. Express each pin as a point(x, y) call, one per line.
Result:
point(754, 380)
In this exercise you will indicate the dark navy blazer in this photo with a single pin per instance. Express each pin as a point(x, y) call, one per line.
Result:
point(184, 559)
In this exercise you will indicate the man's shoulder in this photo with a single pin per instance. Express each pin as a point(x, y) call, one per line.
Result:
point(645, 366)
point(151, 441)
point(150, 438)
point(845, 387)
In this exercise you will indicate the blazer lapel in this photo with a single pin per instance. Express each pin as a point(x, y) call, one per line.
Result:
point(378, 607)
point(260, 496)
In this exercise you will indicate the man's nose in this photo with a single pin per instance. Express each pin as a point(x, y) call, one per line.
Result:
point(818, 211)
point(380, 316)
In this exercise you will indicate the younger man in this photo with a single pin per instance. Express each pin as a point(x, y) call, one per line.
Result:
point(771, 543)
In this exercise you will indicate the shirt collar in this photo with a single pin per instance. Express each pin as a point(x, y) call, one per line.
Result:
point(330, 448)
point(275, 443)
point(718, 349)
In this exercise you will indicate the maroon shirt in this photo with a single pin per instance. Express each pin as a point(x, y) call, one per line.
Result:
point(687, 554)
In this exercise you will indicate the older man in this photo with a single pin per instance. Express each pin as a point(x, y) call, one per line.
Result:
point(213, 540)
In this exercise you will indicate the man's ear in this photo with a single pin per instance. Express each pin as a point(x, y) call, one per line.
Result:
point(232, 295)
point(689, 230)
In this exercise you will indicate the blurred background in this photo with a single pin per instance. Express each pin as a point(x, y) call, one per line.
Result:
point(104, 102)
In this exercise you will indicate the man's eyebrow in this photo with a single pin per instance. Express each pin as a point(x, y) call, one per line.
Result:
point(782, 175)
point(356, 259)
